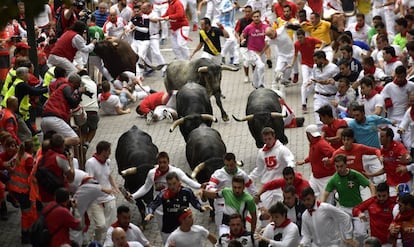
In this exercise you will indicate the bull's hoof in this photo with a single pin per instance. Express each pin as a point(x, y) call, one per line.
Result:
point(225, 118)
point(300, 121)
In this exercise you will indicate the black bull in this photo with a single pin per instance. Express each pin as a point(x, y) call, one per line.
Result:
point(202, 71)
point(119, 57)
point(193, 108)
point(264, 110)
point(136, 152)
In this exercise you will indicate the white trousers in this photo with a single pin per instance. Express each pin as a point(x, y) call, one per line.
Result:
point(102, 215)
point(160, 10)
point(318, 185)
point(281, 63)
point(156, 56)
point(230, 46)
point(216, 59)
point(305, 90)
point(141, 47)
point(258, 61)
point(192, 4)
point(62, 62)
point(179, 43)
point(318, 102)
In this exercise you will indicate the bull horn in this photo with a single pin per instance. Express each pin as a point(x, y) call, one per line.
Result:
point(209, 117)
point(203, 69)
point(229, 67)
point(129, 171)
point(278, 114)
point(197, 169)
point(114, 43)
point(176, 123)
point(246, 118)
point(240, 163)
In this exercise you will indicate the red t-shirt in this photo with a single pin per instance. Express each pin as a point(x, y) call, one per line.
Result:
point(330, 131)
point(391, 156)
point(380, 216)
point(151, 101)
point(316, 6)
point(354, 156)
point(59, 221)
point(307, 49)
point(318, 150)
point(278, 9)
point(299, 183)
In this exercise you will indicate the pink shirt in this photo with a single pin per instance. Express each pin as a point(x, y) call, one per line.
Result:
point(256, 36)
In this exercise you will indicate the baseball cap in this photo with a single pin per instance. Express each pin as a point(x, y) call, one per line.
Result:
point(22, 45)
point(403, 189)
point(313, 130)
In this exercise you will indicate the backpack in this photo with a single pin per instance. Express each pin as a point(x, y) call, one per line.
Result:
point(39, 233)
point(47, 179)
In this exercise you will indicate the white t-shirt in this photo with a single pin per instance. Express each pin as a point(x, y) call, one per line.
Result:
point(109, 106)
point(89, 103)
point(370, 104)
point(43, 18)
point(101, 173)
point(133, 234)
point(188, 239)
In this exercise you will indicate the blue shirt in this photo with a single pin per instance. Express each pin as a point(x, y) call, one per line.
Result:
point(100, 19)
point(227, 13)
point(367, 133)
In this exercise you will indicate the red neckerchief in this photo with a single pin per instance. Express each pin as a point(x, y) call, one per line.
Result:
point(372, 94)
point(403, 34)
point(358, 27)
point(159, 173)
point(412, 113)
point(370, 71)
point(311, 210)
point(404, 216)
point(393, 60)
point(168, 194)
point(400, 85)
point(95, 155)
point(267, 148)
point(116, 224)
point(105, 96)
point(113, 22)
point(284, 224)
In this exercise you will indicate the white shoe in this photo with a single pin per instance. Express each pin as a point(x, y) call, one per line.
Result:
point(246, 79)
point(168, 116)
point(150, 117)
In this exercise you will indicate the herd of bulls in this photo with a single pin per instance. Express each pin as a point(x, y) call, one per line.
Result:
point(196, 81)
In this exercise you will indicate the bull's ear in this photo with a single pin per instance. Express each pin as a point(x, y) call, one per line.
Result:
point(115, 43)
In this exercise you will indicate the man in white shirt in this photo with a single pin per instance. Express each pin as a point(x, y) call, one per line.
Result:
point(119, 239)
point(188, 234)
point(43, 19)
point(270, 162)
point(324, 224)
point(122, 10)
point(102, 213)
point(133, 232)
point(111, 104)
point(359, 29)
point(115, 26)
point(323, 73)
point(374, 103)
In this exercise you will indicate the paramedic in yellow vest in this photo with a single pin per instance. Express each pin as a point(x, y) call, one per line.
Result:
point(11, 75)
point(22, 90)
point(48, 78)
point(210, 40)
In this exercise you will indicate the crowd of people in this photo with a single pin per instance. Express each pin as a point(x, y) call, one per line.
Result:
point(355, 57)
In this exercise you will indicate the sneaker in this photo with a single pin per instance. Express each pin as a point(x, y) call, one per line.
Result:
point(246, 79)
point(231, 60)
point(295, 78)
point(168, 116)
point(150, 116)
point(269, 63)
point(162, 41)
point(195, 27)
point(304, 109)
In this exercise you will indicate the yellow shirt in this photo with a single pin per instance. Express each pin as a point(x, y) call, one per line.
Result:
point(364, 6)
point(322, 31)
